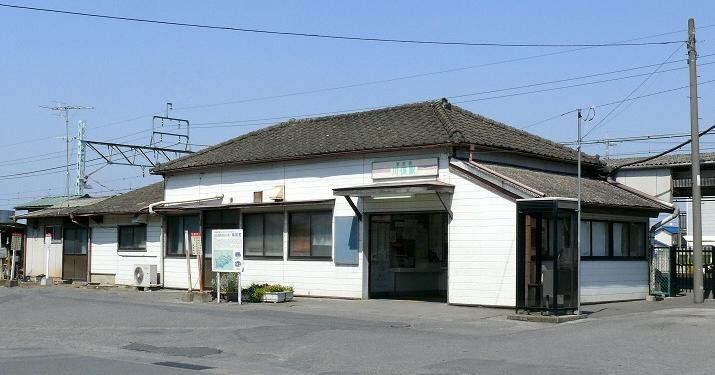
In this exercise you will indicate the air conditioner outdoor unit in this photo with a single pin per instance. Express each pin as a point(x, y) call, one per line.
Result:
point(145, 275)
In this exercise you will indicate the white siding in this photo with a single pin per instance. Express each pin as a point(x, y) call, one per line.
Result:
point(106, 258)
point(37, 252)
point(482, 246)
point(613, 280)
point(656, 182)
point(303, 180)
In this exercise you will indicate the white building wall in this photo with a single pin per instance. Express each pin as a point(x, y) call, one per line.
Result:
point(37, 251)
point(656, 182)
point(482, 245)
point(708, 222)
point(108, 263)
point(603, 281)
point(306, 180)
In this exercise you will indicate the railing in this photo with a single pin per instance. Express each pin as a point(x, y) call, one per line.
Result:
point(683, 270)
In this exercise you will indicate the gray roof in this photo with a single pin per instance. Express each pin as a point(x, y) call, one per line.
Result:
point(63, 209)
point(45, 202)
point(595, 192)
point(671, 160)
point(430, 123)
point(131, 202)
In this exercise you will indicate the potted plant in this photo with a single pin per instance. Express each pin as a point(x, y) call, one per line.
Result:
point(274, 293)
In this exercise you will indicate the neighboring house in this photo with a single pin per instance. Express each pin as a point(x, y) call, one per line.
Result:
point(421, 200)
point(123, 235)
point(8, 229)
point(667, 236)
point(669, 178)
point(57, 241)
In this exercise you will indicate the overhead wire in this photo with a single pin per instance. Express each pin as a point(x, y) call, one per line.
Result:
point(604, 118)
point(331, 36)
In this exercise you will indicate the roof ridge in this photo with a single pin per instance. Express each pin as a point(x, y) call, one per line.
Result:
point(299, 121)
point(453, 133)
point(522, 132)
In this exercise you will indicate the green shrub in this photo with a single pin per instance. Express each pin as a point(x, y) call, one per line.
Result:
point(229, 284)
point(255, 292)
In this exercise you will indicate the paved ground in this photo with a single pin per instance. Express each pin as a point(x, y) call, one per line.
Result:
point(64, 330)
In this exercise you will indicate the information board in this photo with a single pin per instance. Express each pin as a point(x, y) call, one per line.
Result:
point(227, 250)
point(16, 242)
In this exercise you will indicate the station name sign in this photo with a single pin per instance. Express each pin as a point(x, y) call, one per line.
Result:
point(405, 168)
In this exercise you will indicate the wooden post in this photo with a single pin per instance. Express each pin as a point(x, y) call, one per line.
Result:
point(187, 250)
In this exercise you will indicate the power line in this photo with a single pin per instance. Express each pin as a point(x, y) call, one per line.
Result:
point(337, 37)
point(616, 102)
point(259, 121)
point(604, 118)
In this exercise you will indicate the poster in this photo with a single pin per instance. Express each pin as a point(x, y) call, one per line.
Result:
point(195, 243)
point(227, 246)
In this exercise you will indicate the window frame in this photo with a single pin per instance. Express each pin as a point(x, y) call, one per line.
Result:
point(131, 248)
point(167, 235)
point(57, 229)
point(310, 236)
point(263, 235)
point(84, 242)
point(611, 238)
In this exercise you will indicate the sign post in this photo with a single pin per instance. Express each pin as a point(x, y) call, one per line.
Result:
point(15, 245)
point(227, 248)
point(187, 251)
point(197, 251)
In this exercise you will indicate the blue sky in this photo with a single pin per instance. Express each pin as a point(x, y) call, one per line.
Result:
point(127, 71)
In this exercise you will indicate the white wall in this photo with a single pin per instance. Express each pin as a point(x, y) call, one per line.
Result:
point(37, 253)
point(656, 182)
point(482, 246)
point(106, 259)
point(613, 280)
point(303, 180)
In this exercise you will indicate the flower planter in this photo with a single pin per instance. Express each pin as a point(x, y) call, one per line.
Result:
point(289, 295)
point(274, 297)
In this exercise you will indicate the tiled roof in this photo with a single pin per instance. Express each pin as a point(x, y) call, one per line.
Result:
point(594, 192)
point(134, 201)
point(429, 123)
point(670, 160)
point(45, 202)
point(63, 209)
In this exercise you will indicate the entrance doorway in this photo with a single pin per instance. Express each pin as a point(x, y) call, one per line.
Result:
point(74, 254)
point(408, 256)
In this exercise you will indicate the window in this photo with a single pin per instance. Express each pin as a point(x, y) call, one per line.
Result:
point(585, 238)
point(217, 219)
point(56, 232)
point(599, 239)
point(75, 241)
point(613, 239)
point(176, 227)
point(311, 234)
point(132, 237)
point(263, 235)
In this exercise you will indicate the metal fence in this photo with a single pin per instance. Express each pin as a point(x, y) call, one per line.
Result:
point(671, 270)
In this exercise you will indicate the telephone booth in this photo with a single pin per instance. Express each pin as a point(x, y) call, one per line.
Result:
point(547, 256)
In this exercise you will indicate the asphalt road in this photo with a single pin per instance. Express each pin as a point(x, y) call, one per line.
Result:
point(64, 330)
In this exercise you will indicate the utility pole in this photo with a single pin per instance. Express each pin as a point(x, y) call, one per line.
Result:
point(64, 112)
point(578, 213)
point(81, 158)
point(698, 291)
